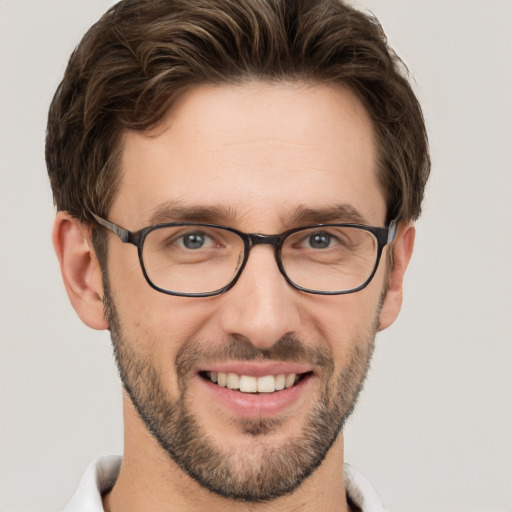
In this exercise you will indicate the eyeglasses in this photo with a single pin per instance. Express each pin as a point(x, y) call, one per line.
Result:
point(201, 260)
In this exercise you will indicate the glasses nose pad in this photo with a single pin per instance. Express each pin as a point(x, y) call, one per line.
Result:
point(239, 262)
point(240, 265)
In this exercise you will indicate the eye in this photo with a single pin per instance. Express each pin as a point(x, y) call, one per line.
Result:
point(319, 240)
point(195, 240)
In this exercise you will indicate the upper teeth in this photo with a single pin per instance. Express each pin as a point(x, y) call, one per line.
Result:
point(250, 384)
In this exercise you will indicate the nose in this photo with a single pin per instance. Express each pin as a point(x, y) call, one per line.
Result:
point(261, 307)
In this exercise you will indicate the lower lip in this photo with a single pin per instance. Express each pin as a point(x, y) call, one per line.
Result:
point(257, 405)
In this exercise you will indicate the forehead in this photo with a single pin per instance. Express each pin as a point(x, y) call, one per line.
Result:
point(256, 151)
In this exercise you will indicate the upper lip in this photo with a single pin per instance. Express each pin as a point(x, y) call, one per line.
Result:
point(257, 369)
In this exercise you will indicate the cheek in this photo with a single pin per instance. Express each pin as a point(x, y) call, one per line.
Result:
point(347, 322)
point(157, 324)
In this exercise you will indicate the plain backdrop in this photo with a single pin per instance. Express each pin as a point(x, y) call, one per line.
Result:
point(433, 429)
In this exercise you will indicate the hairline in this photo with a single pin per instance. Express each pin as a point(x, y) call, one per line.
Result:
point(157, 127)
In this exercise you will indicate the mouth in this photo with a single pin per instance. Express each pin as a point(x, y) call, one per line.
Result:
point(256, 389)
point(265, 384)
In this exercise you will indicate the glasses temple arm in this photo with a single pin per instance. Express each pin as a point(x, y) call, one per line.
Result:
point(392, 230)
point(123, 234)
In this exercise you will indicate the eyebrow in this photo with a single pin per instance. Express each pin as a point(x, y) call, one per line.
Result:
point(176, 212)
point(338, 213)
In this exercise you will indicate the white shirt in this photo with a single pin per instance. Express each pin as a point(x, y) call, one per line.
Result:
point(102, 474)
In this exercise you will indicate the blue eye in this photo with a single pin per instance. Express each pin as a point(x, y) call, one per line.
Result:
point(319, 240)
point(194, 240)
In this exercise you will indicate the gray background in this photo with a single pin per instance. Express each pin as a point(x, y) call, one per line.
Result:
point(433, 431)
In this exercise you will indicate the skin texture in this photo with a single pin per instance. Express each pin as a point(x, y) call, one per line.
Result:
point(261, 158)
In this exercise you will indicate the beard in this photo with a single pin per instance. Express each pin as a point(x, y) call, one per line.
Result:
point(261, 472)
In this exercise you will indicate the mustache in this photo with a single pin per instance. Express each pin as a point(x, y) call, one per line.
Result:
point(288, 348)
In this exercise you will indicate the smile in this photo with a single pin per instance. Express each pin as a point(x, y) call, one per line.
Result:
point(252, 384)
point(256, 389)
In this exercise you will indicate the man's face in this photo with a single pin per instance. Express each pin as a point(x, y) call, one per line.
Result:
point(260, 158)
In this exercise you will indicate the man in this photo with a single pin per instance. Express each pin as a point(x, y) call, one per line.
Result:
point(236, 185)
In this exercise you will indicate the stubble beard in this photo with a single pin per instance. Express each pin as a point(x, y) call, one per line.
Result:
point(264, 472)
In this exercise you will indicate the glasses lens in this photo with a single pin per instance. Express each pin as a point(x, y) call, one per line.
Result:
point(192, 259)
point(330, 258)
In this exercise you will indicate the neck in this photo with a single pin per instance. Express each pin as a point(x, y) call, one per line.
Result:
point(150, 480)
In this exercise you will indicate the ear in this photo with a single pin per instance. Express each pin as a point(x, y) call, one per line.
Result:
point(402, 248)
point(80, 269)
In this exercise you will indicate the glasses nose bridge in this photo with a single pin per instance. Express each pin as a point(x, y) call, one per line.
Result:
point(258, 239)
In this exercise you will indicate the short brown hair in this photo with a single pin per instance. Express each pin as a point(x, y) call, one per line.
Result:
point(141, 54)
